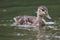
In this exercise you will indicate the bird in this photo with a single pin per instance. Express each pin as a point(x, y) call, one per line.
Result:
point(42, 11)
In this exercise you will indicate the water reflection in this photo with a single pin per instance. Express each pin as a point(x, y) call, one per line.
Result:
point(7, 32)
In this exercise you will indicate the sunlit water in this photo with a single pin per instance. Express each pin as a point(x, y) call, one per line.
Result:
point(7, 32)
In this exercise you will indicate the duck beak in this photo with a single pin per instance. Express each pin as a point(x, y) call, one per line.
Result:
point(48, 16)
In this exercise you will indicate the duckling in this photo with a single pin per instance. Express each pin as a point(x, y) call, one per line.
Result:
point(34, 20)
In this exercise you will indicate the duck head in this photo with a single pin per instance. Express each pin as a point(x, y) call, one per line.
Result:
point(43, 11)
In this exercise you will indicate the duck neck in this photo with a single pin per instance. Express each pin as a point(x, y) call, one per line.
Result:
point(38, 17)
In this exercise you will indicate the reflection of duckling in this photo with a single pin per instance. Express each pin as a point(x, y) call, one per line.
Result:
point(32, 20)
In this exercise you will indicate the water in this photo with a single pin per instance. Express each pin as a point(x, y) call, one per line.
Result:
point(8, 32)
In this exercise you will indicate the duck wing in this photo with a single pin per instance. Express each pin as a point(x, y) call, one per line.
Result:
point(24, 19)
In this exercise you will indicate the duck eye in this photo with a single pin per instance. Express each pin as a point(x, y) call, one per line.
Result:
point(42, 9)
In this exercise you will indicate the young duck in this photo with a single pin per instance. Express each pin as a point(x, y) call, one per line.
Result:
point(33, 20)
point(41, 12)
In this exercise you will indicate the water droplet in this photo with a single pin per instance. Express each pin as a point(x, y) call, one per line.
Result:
point(18, 34)
point(4, 10)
